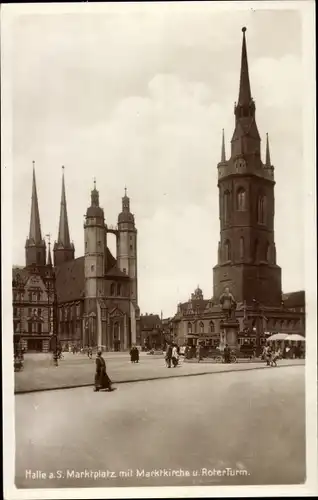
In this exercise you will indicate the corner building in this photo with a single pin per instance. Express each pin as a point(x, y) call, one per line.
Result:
point(246, 249)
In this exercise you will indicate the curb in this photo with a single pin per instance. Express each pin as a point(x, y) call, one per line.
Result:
point(154, 378)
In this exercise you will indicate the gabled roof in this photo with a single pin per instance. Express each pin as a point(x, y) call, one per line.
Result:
point(70, 280)
point(149, 321)
point(294, 299)
point(116, 273)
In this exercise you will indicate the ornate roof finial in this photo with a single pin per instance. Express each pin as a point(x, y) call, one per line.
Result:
point(94, 182)
point(125, 190)
point(245, 95)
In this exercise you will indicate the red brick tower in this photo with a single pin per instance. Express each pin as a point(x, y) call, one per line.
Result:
point(247, 253)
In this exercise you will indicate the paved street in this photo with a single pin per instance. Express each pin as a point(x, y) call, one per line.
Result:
point(250, 421)
point(76, 370)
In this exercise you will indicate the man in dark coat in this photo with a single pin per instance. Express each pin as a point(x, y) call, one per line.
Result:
point(227, 354)
point(169, 355)
point(102, 380)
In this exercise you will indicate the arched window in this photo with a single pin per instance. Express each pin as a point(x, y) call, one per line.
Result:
point(201, 327)
point(268, 253)
point(118, 288)
point(189, 327)
point(261, 209)
point(227, 207)
point(112, 289)
point(241, 199)
point(211, 327)
point(227, 251)
point(241, 248)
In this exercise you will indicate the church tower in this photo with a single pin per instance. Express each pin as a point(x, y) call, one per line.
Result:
point(95, 252)
point(63, 248)
point(246, 252)
point(35, 248)
point(127, 246)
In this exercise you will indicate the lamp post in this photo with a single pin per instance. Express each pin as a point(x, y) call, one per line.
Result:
point(259, 325)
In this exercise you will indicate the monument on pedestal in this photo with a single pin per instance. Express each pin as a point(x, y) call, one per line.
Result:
point(229, 325)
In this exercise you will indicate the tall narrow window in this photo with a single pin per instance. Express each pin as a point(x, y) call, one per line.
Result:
point(211, 327)
point(118, 288)
point(189, 327)
point(227, 251)
point(227, 207)
point(268, 252)
point(39, 328)
point(261, 209)
point(256, 251)
point(241, 248)
point(241, 199)
point(112, 289)
point(201, 327)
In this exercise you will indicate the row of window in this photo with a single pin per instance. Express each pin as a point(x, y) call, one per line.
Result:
point(241, 205)
point(31, 312)
point(191, 327)
point(259, 253)
point(69, 311)
point(31, 297)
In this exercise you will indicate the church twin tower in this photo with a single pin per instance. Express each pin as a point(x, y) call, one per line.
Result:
point(98, 260)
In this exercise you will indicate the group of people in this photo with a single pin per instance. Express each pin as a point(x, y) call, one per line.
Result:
point(172, 355)
point(271, 354)
point(134, 354)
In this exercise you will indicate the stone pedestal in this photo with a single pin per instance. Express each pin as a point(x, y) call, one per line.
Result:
point(229, 334)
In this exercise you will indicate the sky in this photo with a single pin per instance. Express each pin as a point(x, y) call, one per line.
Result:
point(139, 96)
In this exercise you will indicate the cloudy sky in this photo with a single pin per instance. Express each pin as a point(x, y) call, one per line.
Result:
point(138, 96)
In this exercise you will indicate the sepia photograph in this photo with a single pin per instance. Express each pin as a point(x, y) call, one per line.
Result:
point(159, 251)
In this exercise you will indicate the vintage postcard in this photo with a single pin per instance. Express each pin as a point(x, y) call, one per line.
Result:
point(158, 249)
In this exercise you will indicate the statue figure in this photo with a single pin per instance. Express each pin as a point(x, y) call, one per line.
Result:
point(228, 304)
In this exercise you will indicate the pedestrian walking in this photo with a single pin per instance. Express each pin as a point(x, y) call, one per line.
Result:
point(134, 354)
point(175, 356)
point(275, 356)
point(267, 354)
point(102, 380)
point(227, 354)
point(199, 352)
point(169, 356)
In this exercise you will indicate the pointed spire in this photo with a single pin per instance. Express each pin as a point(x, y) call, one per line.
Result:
point(223, 157)
point(268, 157)
point(245, 95)
point(64, 234)
point(35, 225)
point(49, 258)
point(126, 202)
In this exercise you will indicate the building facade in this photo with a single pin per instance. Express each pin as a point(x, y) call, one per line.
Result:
point(93, 298)
point(246, 250)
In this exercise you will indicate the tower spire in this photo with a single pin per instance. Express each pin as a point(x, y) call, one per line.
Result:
point(35, 249)
point(64, 233)
point(223, 157)
point(63, 248)
point(245, 95)
point(268, 156)
point(35, 225)
point(49, 258)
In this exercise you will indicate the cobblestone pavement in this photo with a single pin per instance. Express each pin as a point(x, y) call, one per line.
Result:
point(249, 426)
point(78, 370)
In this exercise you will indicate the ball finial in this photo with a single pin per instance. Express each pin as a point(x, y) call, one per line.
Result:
point(244, 29)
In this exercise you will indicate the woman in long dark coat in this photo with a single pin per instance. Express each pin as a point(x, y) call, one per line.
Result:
point(102, 380)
